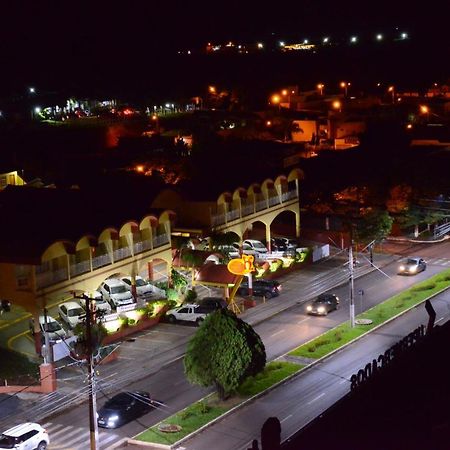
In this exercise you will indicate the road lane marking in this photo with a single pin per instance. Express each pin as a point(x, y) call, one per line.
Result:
point(278, 332)
point(343, 381)
point(317, 398)
point(286, 418)
point(303, 320)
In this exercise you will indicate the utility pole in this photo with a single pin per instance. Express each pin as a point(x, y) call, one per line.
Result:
point(93, 426)
point(351, 284)
point(48, 354)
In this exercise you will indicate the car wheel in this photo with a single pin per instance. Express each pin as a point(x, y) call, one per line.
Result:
point(42, 445)
point(171, 319)
point(199, 321)
point(268, 294)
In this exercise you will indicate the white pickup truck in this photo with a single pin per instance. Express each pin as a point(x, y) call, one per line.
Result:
point(187, 313)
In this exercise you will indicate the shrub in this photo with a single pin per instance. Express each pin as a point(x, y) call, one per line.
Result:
point(172, 295)
point(131, 322)
point(190, 296)
point(202, 407)
point(185, 414)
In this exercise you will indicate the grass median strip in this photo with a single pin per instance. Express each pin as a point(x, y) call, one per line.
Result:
point(342, 334)
point(198, 414)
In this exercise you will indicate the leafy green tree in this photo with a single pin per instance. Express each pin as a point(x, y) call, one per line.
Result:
point(375, 224)
point(224, 351)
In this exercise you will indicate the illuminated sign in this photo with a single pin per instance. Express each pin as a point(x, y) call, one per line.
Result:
point(241, 266)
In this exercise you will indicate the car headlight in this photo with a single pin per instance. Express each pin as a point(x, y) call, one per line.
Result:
point(113, 418)
point(321, 309)
point(309, 308)
point(401, 268)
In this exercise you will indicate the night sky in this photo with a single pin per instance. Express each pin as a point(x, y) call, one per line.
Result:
point(63, 41)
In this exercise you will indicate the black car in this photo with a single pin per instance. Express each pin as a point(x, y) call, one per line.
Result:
point(261, 288)
point(124, 407)
point(209, 304)
point(323, 304)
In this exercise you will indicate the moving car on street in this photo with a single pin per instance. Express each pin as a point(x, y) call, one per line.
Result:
point(323, 304)
point(411, 266)
point(124, 407)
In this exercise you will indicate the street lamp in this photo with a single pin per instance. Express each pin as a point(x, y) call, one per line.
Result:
point(31, 90)
point(353, 39)
point(344, 85)
point(337, 105)
point(392, 90)
point(320, 86)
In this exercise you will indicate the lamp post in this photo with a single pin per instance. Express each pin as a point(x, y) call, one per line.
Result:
point(344, 85)
point(320, 86)
point(392, 90)
point(351, 282)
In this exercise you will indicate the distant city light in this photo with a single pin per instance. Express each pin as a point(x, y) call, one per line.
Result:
point(306, 41)
point(139, 168)
point(31, 90)
point(404, 35)
point(37, 110)
point(260, 45)
point(379, 37)
point(409, 126)
point(282, 43)
point(275, 99)
point(325, 40)
point(353, 39)
point(424, 109)
point(284, 92)
point(337, 104)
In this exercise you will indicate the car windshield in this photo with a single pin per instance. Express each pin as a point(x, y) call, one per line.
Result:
point(258, 245)
point(118, 401)
point(52, 326)
point(8, 441)
point(118, 289)
point(411, 261)
point(75, 312)
point(140, 282)
point(320, 300)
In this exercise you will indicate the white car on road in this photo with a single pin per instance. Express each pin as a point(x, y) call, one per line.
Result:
point(71, 313)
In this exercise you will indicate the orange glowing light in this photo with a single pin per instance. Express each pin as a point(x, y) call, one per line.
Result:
point(284, 92)
point(275, 99)
point(424, 109)
point(409, 126)
point(241, 266)
point(336, 104)
point(268, 123)
point(212, 89)
point(139, 168)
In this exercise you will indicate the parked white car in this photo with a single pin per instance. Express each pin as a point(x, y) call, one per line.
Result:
point(115, 292)
point(100, 303)
point(27, 436)
point(143, 288)
point(256, 246)
point(71, 313)
point(50, 325)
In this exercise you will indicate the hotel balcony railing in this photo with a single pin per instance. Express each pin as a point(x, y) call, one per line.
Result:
point(79, 268)
point(262, 204)
point(285, 196)
point(232, 215)
point(46, 277)
point(121, 253)
point(218, 219)
point(274, 200)
point(100, 261)
point(248, 209)
point(161, 239)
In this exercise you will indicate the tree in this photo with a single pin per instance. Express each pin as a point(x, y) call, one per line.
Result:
point(375, 224)
point(224, 351)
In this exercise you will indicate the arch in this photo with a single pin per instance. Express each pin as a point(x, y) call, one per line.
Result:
point(296, 174)
point(86, 242)
point(108, 234)
point(225, 197)
point(129, 227)
point(149, 222)
point(167, 216)
point(239, 193)
point(267, 186)
point(58, 249)
point(254, 189)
